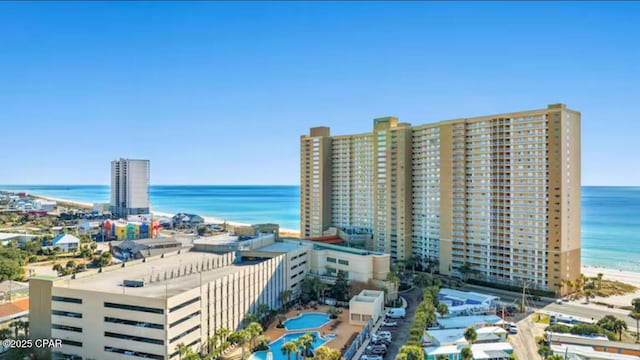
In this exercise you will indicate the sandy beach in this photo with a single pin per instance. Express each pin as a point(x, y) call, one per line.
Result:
point(628, 277)
point(207, 219)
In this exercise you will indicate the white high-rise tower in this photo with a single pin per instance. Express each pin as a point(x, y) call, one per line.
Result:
point(129, 187)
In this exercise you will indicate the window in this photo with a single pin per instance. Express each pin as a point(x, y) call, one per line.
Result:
point(184, 304)
point(133, 323)
point(66, 299)
point(67, 314)
point(185, 333)
point(110, 349)
point(134, 308)
point(66, 328)
point(180, 321)
point(331, 260)
point(134, 338)
point(343, 262)
point(71, 342)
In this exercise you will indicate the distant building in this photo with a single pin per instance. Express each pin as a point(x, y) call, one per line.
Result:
point(5, 238)
point(256, 229)
point(44, 205)
point(129, 187)
point(66, 242)
point(139, 249)
point(187, 220)
point(129, 230)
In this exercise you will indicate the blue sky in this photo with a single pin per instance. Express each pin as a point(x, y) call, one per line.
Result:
point(219, 93)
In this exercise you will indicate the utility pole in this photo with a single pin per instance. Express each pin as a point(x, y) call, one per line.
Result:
point(522, 304)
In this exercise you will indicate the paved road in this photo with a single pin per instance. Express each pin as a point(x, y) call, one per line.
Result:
point(401, 333)
point(572, 308)
point(523, 343)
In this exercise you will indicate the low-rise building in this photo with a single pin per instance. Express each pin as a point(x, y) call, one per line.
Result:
point(465, 303)
point(489, 351)
point(456, 336)
point(461, 322)
point(66, 242)
point(577, 352)
point(368, 305)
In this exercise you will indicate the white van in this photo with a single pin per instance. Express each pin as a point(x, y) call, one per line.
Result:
point(396, 313)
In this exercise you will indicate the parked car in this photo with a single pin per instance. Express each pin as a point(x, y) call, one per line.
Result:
point(380, 341)
point(376, 337)
point(513, 330)
point(384, 334)
point(389, 324)
point(377, 346)
point(559, 301)
point(371, 357)
point(397, 313)
point(377, 352)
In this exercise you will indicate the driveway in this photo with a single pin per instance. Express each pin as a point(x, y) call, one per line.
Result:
point(401, 333)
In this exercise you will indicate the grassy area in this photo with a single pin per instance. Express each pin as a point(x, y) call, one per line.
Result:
point(611, 287)
point(541, 318)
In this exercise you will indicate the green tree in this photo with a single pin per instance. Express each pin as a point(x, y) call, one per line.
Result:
point(71, 264)
point(443, 309)
point(636, 304)
point(466, 353)
point(412, 352)
point(422, 280)
point(470, 335)
point(243, 337)
point(285, 297)
point(545, 351)
point(442, 357)
point(281, 318)
point(254, 329)
point(5, 333)
point(466, 270)
point(324, 353)
point(289, 348)
point(182, 350)
point(340, 289)
point(555, 357)
point(306, 344)
point(332, 312)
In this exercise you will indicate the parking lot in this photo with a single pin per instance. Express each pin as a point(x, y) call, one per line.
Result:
point(400, 333)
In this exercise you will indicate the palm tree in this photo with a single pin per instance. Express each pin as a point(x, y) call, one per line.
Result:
point(443, 309)
point(470, 335)
point(281, 318)
point(182, 350)
point(288, 348)
point(249, 318)
point(5, 333)
point(243, 337)
point(286, 296)
point(306, 343)
point(223, 333)
point(618, 326)
point(25, 326)
point(17, 325)
point(324, 353)
point(466, 353)
point(600, 276)
point(254, 329)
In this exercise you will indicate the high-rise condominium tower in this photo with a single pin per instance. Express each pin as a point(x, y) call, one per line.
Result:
point(498, 193)
point(129, 187)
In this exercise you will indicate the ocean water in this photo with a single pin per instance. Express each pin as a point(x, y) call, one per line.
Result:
point(610, 215)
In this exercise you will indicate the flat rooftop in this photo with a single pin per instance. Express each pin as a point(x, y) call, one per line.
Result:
point(111, 281)
point(283, 246)
point(465, 321)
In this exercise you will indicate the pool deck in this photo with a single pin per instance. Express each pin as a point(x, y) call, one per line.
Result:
point(343, 331)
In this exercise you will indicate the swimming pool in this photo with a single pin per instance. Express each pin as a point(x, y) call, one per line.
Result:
point(274, 347)
point(306, 321)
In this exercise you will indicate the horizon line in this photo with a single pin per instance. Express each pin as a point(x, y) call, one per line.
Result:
point(584, 185)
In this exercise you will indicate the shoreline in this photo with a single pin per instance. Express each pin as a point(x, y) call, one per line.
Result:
point(207, 219)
